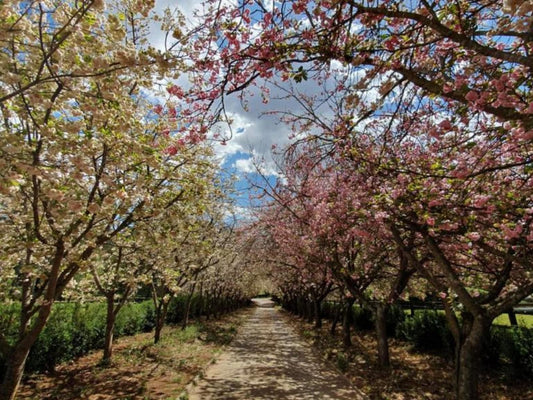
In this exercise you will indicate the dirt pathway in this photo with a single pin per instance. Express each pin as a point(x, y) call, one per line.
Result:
point(268, 360)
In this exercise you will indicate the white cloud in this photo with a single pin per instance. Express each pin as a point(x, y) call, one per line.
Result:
point(245, 165)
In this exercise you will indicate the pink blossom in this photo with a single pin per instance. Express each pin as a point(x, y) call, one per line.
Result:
point(175, 90)
point(472, 96)
point(158, 109)
point(171, 150)
point(480, 201)
point(474, 236)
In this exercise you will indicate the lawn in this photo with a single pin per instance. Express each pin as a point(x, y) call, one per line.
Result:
point(523, 320)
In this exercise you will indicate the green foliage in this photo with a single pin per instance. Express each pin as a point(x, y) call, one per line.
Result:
point(427, 331)
point(330, 309)
point(342, 362)
point(362, 318)
point(75, 329)
point(395, 317)
point(178, 307)
point(176, 310)
point(511, 348)
point(135, 318)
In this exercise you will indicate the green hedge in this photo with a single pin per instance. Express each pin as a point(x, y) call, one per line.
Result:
point(427, 331)
point(178, 307)
point(512, 349)
point(75, 329)
point(507, 348)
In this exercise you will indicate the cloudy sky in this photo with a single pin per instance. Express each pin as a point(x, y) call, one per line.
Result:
point(254, 134)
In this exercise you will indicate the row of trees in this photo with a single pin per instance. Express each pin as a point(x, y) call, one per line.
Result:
point(102, 191)
point(415, 174)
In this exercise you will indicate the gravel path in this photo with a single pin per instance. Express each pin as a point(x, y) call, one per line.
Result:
point(268, 360)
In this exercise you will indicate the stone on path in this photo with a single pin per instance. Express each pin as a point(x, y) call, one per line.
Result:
point(268, 360)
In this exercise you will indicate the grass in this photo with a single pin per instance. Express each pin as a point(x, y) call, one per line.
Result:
point(524, 320)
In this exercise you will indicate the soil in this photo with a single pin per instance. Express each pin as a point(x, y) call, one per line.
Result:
point(412, 376)
point(139, 369)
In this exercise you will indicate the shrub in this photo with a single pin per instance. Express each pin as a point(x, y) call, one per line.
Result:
point(427, 331)
point(75, 329)
point(54, 344)
point(515, 349)
point(176, 310)
point(342, 362)
point(131, 319)
point(362, 318)
point(395, 316)
point(330, 309)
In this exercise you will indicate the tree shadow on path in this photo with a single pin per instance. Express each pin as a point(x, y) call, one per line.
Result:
point(268, 360)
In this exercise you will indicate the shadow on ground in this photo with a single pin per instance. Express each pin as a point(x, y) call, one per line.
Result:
point(268, 360)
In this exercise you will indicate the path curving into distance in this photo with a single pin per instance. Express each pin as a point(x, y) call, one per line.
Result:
point(268, 360)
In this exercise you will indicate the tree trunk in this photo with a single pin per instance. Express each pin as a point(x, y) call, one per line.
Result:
point(109, 329)
point(512, 317)
point(13, 374)
point(347, 322)
point(301, 308)
point(185, 321)
point(335, 320)
point(317, 313)
point(161, 315)
point(469, 351)
point(16, 359)
point(381, 335)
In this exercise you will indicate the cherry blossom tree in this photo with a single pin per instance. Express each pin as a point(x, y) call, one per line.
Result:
point(465, 55)
point(79, 163)
point(117, 275)
point(439, 105)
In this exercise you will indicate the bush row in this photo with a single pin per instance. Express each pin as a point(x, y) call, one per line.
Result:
point(75, 329)
point(509, 348)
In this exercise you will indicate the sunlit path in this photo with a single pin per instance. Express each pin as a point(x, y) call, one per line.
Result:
point(268, 360)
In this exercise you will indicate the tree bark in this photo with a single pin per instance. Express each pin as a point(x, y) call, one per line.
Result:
point(381, 335)
point(335, 320)
point(309, 311)
point(347, 322)
point(512, 317)
point(185, 321)
point(14, 370)
point(109, 329)
point(469, 351)
point(317, 310)
point(161, 314)
point(28, 334)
